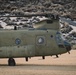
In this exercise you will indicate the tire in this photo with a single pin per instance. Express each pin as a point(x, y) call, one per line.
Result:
point(11, 62)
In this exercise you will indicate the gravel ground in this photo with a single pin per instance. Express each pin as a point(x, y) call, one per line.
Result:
point(64, 65)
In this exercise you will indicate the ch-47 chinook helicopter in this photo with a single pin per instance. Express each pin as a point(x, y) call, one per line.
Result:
point(45, 39)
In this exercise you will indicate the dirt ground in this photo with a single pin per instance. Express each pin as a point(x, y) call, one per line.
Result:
point(64, 65)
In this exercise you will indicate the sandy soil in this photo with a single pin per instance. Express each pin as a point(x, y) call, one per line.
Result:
point(64, 65)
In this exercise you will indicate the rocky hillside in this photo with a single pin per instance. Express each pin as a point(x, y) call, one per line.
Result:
point(60, 7)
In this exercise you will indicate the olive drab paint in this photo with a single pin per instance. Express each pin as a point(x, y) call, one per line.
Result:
point(44, 40)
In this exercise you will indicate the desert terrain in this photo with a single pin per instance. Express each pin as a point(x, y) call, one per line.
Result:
point(64, 65)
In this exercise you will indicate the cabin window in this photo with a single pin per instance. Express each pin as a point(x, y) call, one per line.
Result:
point(40, 40)
point(17, 41)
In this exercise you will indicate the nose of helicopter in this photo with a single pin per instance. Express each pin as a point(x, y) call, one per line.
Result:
point(67, 45)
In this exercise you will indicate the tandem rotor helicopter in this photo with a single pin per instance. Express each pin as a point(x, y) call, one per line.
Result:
point(45, 39)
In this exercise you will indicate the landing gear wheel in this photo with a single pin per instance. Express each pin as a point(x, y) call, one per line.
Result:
point(11, 62)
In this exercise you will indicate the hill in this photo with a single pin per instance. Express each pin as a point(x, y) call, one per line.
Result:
point(60, 7)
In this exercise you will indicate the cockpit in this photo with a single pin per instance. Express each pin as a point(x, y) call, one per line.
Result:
point(62, 42)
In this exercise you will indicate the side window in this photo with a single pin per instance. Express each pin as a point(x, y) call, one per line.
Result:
point(40, 40)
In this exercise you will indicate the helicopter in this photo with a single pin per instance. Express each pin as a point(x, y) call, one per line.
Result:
point(44, 39)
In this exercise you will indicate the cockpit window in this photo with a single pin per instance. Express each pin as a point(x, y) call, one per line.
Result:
point(63, 38)
point(59, 40)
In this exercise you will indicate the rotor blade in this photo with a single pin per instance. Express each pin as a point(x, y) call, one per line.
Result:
point(30, 15)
